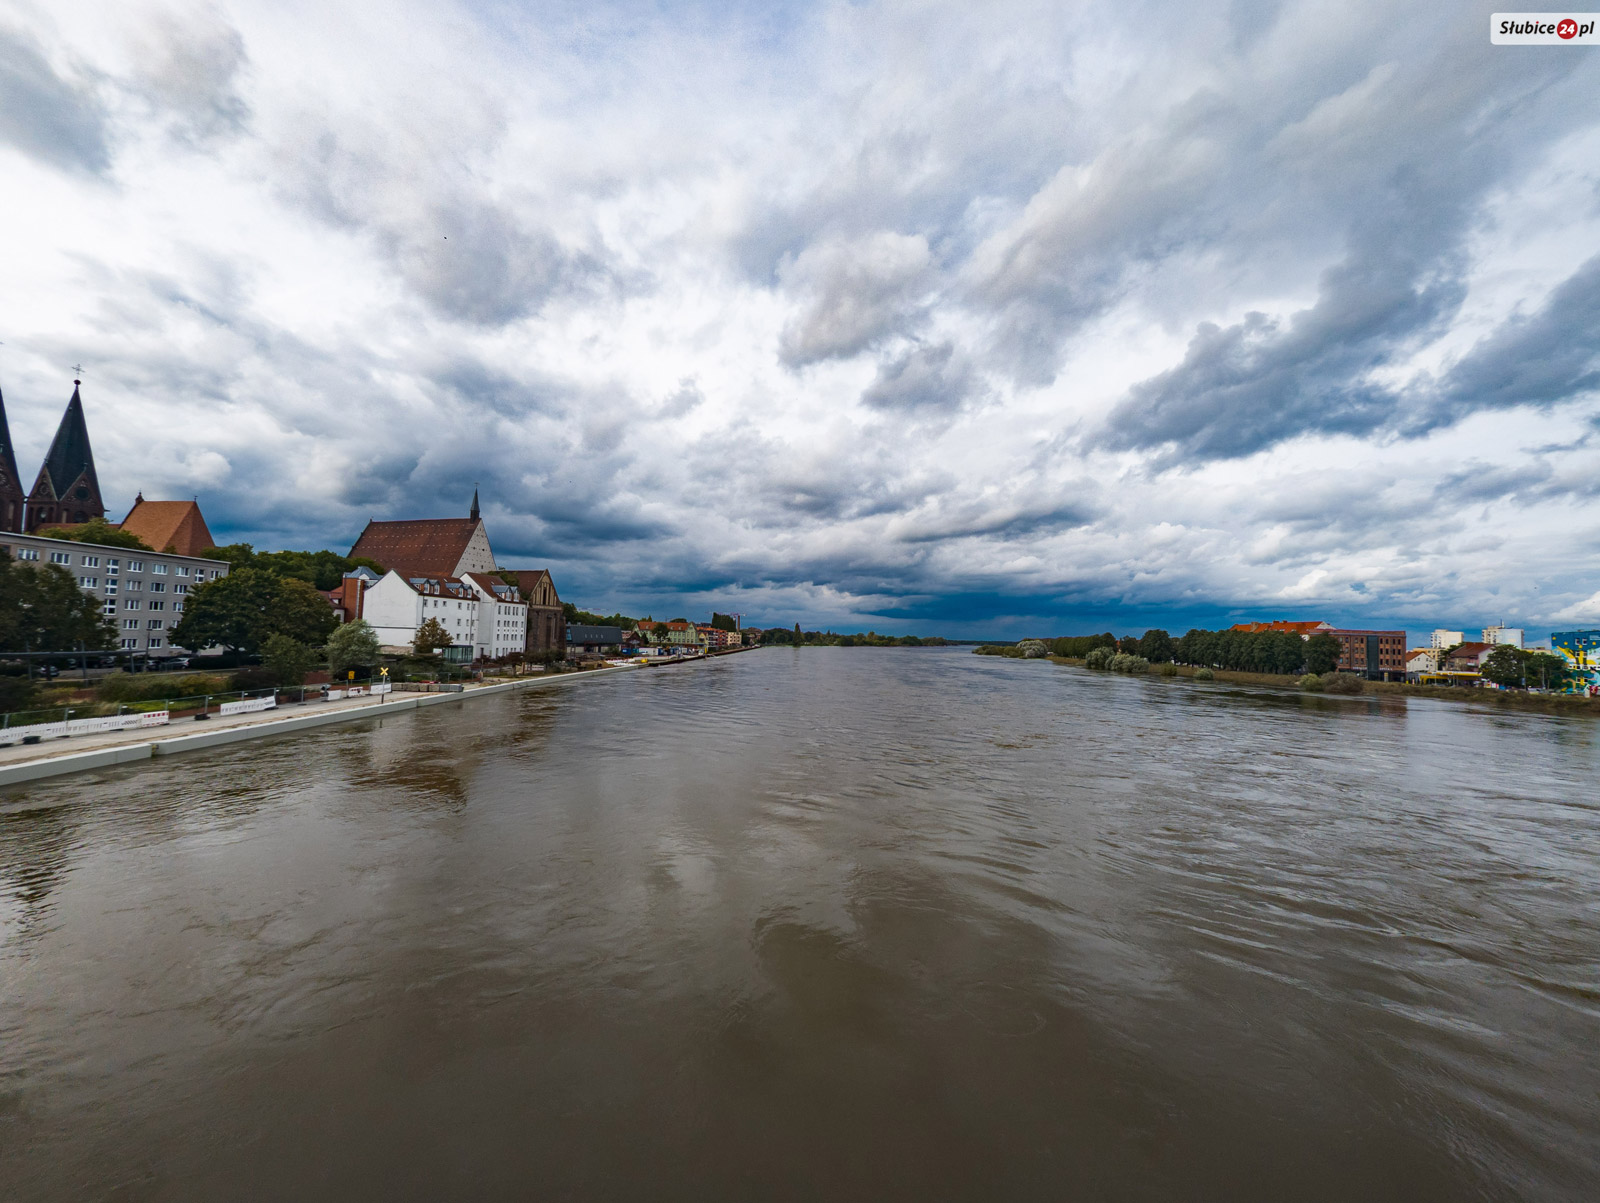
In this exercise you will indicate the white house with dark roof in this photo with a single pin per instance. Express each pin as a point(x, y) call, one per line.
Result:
point(484, 617)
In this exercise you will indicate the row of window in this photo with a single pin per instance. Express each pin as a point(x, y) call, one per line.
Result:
point(113, 565)
point(129, 645)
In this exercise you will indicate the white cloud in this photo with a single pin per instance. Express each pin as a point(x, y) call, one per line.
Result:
point(862, 309)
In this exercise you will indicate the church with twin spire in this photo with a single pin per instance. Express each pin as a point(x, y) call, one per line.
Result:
point(66, 492)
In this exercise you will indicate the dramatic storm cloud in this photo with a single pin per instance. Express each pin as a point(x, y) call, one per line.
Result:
point(912, 316)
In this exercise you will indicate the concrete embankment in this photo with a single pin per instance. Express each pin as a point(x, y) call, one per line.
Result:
point(141, 746)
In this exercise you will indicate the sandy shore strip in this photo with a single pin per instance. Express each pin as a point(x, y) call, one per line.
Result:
point(24, 763)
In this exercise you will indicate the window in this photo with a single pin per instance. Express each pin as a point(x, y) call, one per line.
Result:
point(155, 643)
point(155, 624)
point(91, 562)
point(89, 582)
point(158, 586)
point(135, 565)
point(180, 588)
point(130, 624)
point(177, 607)
point(111, 564)
point(183, 570)
point(129, 644)
point(111, 588)
point(134, 586)
point(61, 557)
point(27, 553)
point(159, 569)
point(158, 605)
point(109, 608)
point(131, 603)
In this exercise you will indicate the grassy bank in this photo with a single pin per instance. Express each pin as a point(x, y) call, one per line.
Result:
point(1541, 703)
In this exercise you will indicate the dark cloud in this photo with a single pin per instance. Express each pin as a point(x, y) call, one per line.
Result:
point(1259, 382)
point(479, 385)
point(44, 115)
point(925, 378)
point(1541, 359)
point(189, 70)
point(858, 293)
point(484, 265)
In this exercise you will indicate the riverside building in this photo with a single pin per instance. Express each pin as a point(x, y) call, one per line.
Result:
point(143, 592)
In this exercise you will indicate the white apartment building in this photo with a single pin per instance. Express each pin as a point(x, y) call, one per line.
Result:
point(502, 616)
point(1444, 639)
point(483, 616)
point(141, 591)
point(1511, 635)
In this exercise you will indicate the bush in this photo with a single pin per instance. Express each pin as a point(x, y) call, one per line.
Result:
point(1168, 669)
point(1346, 683)
point(152, 687)
point(1204, 674)
point(16, 693)
point(1099, 657)
point(1312, 683)
point(254, 677)
point(1126, 662)
point(287, 660)
point(1033, 649)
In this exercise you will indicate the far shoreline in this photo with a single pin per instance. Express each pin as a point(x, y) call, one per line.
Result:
point(1500, 699)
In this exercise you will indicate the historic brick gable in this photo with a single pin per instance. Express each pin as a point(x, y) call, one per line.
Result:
point(67, 490)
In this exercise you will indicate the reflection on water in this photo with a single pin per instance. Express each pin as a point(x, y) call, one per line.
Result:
point(851, 923)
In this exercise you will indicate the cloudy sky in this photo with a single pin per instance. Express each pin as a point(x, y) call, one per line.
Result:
point(918, 316)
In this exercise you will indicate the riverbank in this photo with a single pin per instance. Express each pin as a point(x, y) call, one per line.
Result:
point(1541, 703)
point(22, 764)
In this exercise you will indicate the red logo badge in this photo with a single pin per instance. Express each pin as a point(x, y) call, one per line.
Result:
point(1567, 28)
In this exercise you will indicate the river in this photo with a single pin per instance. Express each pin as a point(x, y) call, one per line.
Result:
point(838, 923)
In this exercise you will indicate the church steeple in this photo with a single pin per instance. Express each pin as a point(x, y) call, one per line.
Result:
point(12, 498)
point(474, 514)
point(67, 490)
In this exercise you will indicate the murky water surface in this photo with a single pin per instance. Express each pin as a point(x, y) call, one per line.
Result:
point(837, 924)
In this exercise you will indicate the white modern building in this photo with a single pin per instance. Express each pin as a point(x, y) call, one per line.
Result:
point(484, 616)
point(141, 591)
point(1511, 635)
point(1444, 639)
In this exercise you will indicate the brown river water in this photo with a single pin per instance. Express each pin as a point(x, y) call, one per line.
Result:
point(828, 924)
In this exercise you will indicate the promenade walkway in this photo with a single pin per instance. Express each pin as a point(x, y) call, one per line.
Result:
point(22, 763)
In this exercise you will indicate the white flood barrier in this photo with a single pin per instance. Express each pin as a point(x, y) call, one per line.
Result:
point(86, 726)
point(248, 705)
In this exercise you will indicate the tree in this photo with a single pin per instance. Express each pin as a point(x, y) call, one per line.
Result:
point(230, 612)
point(1547, 670)
point(240, 610)
point(1156, 646)
point(1504, 665)
point(430, 638)
point(798, 637)
point(355, 645)
point(43, 609)
point(722, 622)
point(100, 532)
point(301, 613)
point(1322, 654)
point(287, 660)
point(322, 569)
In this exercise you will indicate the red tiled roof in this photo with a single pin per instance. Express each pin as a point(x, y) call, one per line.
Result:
point(495, 586)
point(175, 525)
point(1298, 628)
point(424, 547)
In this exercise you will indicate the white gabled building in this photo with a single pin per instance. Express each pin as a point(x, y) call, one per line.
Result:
point(484, 616)
point(502, 616)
